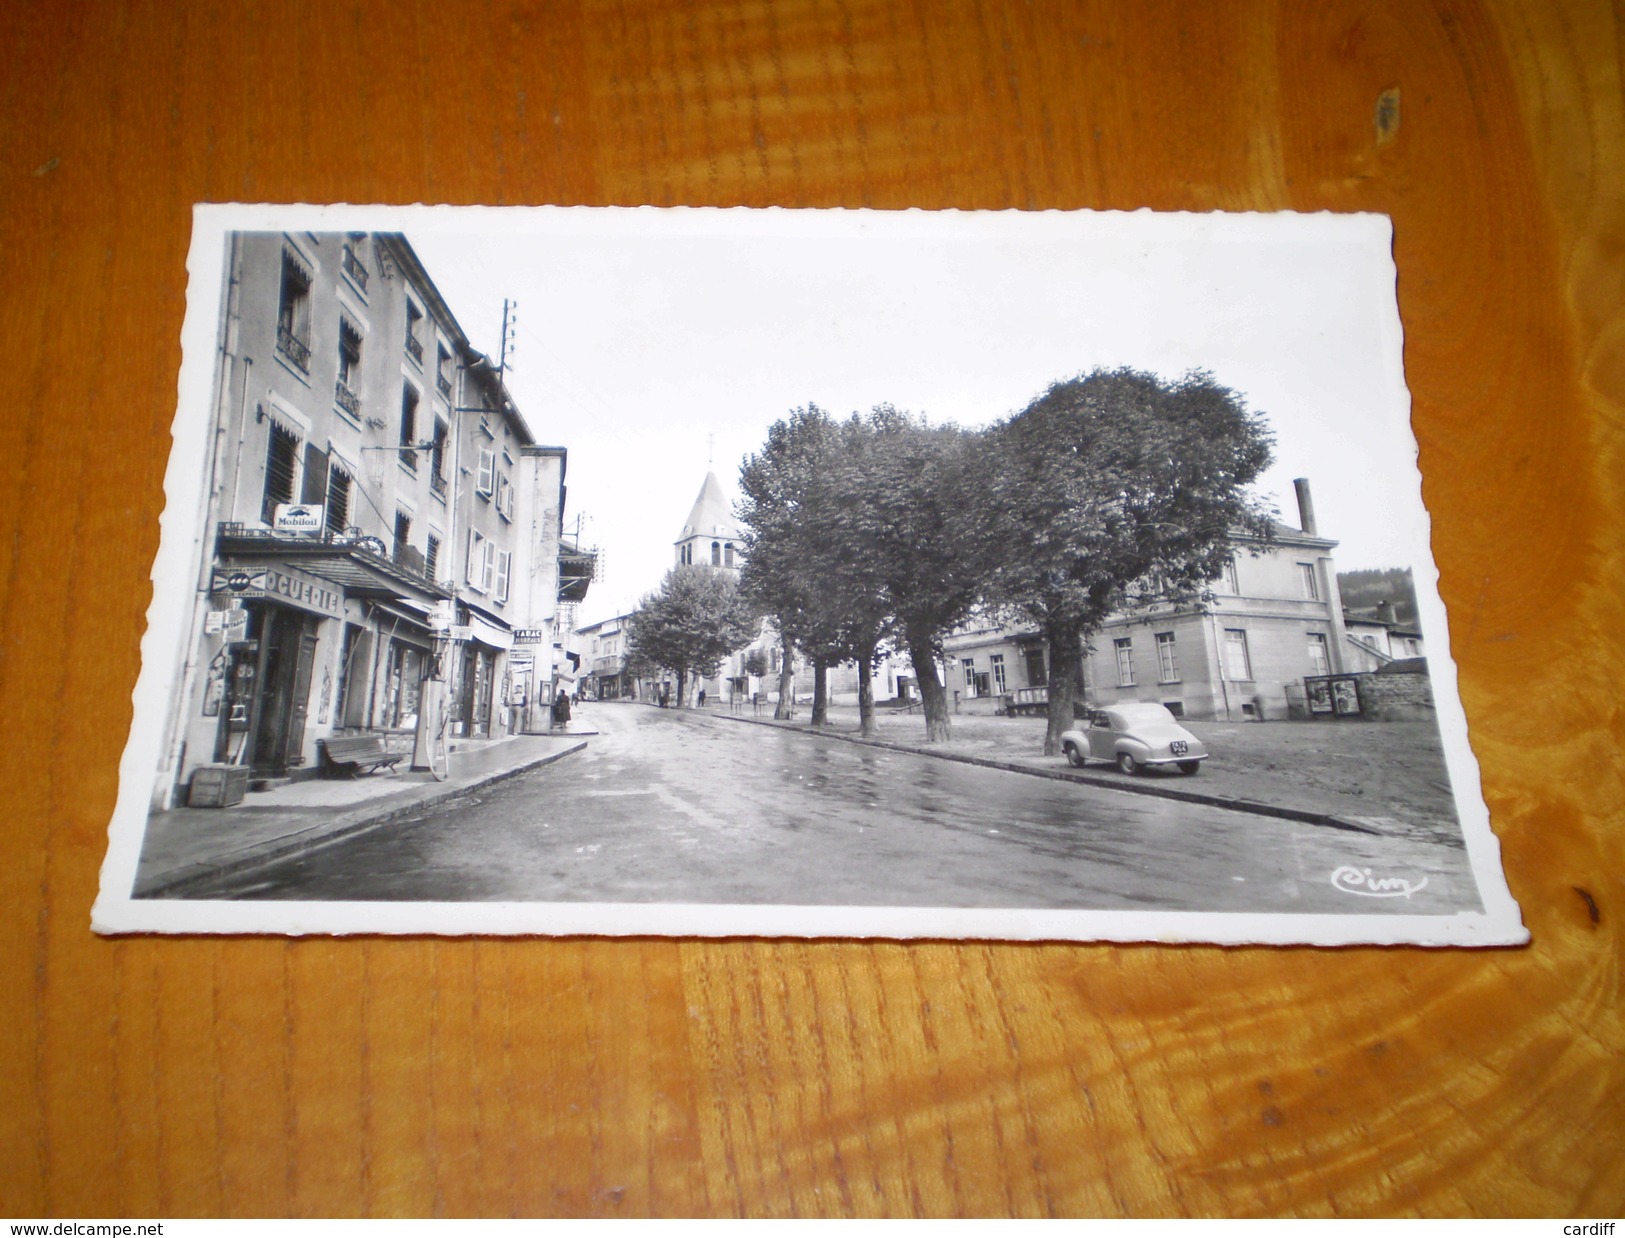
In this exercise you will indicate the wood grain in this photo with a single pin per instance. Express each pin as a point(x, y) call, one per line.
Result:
point(389, 1077)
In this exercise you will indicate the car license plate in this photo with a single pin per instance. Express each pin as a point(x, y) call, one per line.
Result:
point(1178, 747)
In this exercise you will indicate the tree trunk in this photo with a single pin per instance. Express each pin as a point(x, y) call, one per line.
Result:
point(1065, 656)
point(787, 681)
point(866, 693)
point(932, 694)
point(682, 688)
point(820, 708)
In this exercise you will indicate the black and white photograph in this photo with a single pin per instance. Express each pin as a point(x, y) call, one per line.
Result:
point(1007, 575)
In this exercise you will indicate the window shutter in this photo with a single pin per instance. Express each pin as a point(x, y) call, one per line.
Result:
point(504, 563)
point(471, 568)
point(488, 567)
point(315, 483)
point(487, 478)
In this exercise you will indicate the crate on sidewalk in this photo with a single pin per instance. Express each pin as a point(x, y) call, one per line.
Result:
point(217, 786)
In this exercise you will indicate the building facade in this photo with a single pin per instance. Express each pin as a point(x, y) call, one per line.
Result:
point(377, 526)
point(1274, 617)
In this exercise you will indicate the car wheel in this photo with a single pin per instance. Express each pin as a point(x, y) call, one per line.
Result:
point(1127, 763)
point(1073, 756)
point(1190, 767)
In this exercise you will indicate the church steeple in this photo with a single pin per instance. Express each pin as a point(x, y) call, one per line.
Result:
point(711, 534)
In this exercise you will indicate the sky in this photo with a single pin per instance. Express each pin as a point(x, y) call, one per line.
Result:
point(655, 344)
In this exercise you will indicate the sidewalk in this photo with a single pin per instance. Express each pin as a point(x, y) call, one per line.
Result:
point(1384, 778)
point(189, 845)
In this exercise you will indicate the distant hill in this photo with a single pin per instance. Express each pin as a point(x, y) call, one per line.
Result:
point(1366, 588)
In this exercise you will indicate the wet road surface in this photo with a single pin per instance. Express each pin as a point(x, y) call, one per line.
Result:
point(675, 807)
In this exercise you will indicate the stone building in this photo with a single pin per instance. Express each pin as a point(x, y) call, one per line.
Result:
point(380, 537)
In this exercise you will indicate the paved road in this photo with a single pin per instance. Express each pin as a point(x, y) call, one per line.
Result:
point(690, 808)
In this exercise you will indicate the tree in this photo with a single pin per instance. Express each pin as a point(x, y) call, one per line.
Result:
point(693, 621)
point(925, 521)
point(1114, 489)
point(781, 514)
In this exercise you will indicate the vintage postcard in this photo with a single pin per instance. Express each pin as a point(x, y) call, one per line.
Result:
point(1009, 575)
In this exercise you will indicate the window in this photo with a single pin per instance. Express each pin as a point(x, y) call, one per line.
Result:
point(996, 662)
point(338, 499)
point(1238, 665)
point(1231, 584)
point(486, 483)
point(1319, 662)
point(403, 534)
point(414, 323)
point(504, 497)
point(442, 369)
point(504, 565)
point(293, 313)
point(437, 459)
point(281, 465)
point(351, 260)
point(1125, 661)
point(1036, 675)
point(431, 556)
point(474, 566)
point(1306, 581)
point(716, 554)
point(1167, 664)
point(409, 427)
point(970, 674)
point(728, 555)
point(344, 393)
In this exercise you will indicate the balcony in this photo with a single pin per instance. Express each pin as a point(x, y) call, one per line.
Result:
point(437, 484)
point(293, 348)
point(443, 383)
point(346, 399)
point(353, 268)
point(414, 346)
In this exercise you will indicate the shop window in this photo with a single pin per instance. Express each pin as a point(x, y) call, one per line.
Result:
point(281, 469)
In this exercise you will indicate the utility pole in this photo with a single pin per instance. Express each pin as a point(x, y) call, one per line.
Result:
point(510, 328)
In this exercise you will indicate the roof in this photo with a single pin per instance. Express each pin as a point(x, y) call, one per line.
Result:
point(711, 515)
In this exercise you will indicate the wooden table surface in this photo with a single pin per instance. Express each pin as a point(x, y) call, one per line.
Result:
point(146, 1077)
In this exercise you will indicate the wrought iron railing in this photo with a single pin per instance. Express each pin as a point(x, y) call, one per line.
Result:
point(437, 484)
point(348, 400)
point(293, 348)
point(444, 383)
point(351, 541)
point(354, 269)
point(415, 347)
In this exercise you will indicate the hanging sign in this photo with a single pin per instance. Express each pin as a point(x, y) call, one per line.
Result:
point(298, 517)
point(243, 582)
point(530, 636)
point(235, 626)
point(460, 631)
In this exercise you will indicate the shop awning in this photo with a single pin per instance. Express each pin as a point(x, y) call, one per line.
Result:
point(358, 564)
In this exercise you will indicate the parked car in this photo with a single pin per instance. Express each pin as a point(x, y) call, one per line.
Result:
point(1134, 735)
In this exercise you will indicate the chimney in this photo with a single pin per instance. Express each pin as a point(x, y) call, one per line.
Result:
point(1385, 611)
point(1306, 506)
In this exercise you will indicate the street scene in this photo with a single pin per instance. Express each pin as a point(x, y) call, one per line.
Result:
point(700, 806)
point(1120, 627)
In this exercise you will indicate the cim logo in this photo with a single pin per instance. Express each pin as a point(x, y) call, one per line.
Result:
point(1352, 880)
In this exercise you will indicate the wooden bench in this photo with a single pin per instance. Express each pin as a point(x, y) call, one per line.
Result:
point(358, 753)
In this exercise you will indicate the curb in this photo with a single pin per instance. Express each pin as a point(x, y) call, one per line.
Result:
point(335, 829)
point(1255, 807)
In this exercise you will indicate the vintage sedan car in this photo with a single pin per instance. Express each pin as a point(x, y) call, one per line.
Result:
point(1134, 735)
